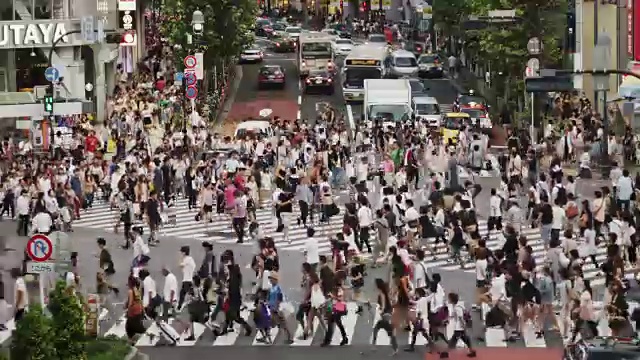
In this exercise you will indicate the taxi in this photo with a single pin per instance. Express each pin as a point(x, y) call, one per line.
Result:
point(451, 124)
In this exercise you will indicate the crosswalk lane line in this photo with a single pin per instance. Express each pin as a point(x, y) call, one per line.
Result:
point(382, 338)
point(198, 330)
point(231, 337)
point(297, 337)
point(118, 329)
point(493, 336)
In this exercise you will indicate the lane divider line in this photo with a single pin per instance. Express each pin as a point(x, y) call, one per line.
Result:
point(299, 100)
point(299, 117)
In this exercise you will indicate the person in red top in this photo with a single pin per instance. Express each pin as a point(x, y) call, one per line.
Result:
point(91, 142)
point(161, 83)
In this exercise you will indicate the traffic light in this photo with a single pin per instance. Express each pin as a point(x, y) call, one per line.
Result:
point(48, 103)
point(341, 5)
point(363, 6)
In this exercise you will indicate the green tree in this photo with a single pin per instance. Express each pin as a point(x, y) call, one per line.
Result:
point(503, 48)
point(67, 315)
point(227, 28)
point(32, 339)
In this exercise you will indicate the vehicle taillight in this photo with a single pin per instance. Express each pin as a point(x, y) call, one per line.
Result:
point(308, 81)
point(277, 44)
point(279, 75)
point(419, 48)
point(329, 80)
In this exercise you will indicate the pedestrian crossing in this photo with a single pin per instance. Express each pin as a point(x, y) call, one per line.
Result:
point(443, 260)
point(359, 328)
point(102, 218)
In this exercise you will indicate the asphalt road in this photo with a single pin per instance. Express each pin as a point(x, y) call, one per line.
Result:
point(250, 100)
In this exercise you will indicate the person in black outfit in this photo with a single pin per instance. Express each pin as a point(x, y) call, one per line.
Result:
point(153, 217)
point(234, 295)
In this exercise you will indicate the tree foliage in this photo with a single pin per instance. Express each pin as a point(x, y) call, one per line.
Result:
point(67, 314)
point(227, 28)
point(32, 339)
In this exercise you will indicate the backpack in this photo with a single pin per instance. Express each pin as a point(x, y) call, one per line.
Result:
point(562, 195)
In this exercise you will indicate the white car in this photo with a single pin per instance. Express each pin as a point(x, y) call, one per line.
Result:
point(342, 46)
point(251, 55)
point(330, 32)
point(293, 31)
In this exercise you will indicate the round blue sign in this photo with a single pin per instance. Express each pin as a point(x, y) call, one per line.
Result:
point(191, 92)
point(190, 78)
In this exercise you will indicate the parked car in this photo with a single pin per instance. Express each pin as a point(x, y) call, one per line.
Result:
point(271, 76)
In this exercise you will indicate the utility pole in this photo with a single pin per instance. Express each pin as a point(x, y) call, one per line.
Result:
point(602, 62)
point(595, 44)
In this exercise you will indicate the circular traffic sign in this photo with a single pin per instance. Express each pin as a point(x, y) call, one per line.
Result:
point(191, 92)
point(190, 61)
point(190, 78)
point(39, 248)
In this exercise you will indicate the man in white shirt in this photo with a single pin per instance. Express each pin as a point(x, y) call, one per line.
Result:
point(149, 289)
point(20, 298)
point(624, 190)
point(170, 291)
point(22, 207)
point(365, 221)
point(41, 223)
point(188, 266)
point(495, 212)
point(311, 251)
point(559, 219)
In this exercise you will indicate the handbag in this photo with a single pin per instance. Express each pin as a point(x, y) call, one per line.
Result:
point(340, 307)
point(441, 315)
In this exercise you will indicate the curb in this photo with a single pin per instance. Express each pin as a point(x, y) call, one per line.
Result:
point(132, 354)
point(228, 103)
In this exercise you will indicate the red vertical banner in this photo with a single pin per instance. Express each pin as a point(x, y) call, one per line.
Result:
point(635, 9)
point(630, 29)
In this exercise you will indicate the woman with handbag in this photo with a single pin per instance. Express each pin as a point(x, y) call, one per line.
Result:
point(334, 315)
point(135, 310)
point(317, 305)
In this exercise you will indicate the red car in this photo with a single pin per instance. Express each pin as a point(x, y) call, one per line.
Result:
point(271, 76)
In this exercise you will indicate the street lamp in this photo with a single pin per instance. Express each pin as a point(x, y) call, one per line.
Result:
point(197, 22)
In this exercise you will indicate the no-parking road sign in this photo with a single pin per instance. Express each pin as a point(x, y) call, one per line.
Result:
point(39, 248)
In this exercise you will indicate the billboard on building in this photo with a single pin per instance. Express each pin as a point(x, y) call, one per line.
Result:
point(633, 34)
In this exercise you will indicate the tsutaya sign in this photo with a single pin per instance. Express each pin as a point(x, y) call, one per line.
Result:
point(38, 33)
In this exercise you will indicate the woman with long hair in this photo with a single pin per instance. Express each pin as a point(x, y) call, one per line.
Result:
point(386, 310)
point(135, 311)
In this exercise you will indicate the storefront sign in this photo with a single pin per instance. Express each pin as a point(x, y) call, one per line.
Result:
point(38, 33)
point(92, 315)
point(636, 29)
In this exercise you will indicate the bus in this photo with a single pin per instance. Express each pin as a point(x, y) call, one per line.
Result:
point(364, 62)
point(315, 52)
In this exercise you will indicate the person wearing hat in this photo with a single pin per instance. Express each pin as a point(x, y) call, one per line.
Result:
point(276, 299)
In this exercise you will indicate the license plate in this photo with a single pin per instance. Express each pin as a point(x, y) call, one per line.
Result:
point(271, 77)
point(318, 81)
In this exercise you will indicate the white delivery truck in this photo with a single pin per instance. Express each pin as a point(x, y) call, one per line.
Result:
point(387, 100)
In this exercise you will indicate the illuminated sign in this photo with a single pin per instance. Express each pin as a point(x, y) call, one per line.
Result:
point(364, 62)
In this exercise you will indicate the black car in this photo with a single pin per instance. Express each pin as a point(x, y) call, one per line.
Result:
point(271, 76)
point(320, 80)
point(263, 28)
point(284, 44)
point(417, 48)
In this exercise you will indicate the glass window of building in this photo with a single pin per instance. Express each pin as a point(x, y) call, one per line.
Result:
point(30, 67)
point(6, 10)
point(41, 9)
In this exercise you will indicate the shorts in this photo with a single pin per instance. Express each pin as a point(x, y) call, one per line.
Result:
point(207, 209)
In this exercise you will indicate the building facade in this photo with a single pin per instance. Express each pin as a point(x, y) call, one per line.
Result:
point(29, 28)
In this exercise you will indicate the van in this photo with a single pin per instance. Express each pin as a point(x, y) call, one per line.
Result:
point(402, 63)
point(254, 127)
point(426, 108)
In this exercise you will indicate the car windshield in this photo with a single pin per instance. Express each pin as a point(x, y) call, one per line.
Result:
point(427, 109)
point(468, 99)
point(377, 39)
point(416, 86)
point(270, 70)
point(473, 112)
point(319, 73)
point(455, 122)
point(429, 59)
point(263, 22)
point(278, 26)
point(251, 51)
point(293, 30)
point(354, 76)
point(406, 62)
point(386, 113)
point(316, 47)
point(343, 42)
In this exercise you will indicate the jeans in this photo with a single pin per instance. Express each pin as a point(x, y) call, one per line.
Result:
point(238, 226)
point(335, 320)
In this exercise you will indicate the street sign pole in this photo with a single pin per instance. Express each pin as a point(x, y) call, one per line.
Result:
point(602, 62)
